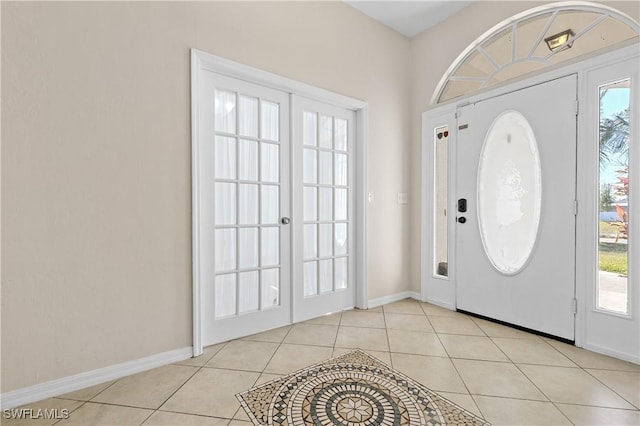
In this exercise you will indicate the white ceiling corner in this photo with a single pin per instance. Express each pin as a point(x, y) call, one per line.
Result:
point(409, 17)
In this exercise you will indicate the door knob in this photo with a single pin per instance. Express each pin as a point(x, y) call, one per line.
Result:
point(285, 220)
point(462, 219)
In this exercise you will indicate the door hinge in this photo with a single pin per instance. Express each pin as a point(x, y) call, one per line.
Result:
point(575, 207)
point(577, 107)
point(575, 306)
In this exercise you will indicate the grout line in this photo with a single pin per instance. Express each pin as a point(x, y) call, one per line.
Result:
point(82, 404)
point(335, 340)
point(610, 388)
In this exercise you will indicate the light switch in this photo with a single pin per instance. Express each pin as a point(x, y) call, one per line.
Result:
point(403, 198)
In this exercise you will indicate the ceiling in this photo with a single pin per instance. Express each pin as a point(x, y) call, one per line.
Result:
point(409, 17)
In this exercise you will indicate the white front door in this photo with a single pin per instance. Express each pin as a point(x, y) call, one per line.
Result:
point(243, 178)
point(324, 255)
point(515, 187)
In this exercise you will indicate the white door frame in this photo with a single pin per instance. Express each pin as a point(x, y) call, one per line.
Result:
point(205, 62)
point(442, 292)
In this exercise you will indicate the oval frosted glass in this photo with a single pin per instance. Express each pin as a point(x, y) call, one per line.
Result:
point(509, 192)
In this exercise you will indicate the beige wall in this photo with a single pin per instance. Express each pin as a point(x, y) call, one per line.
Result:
point(96, 205)
point(432, 52)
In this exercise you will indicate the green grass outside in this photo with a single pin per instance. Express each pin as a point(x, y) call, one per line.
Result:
point(613, 258)
point(608, 229)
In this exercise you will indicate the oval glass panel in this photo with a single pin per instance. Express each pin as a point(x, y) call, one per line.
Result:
point(509, 192)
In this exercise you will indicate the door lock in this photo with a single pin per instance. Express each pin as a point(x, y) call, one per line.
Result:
point(462, 219)
point(285, 220)
point(462, 205)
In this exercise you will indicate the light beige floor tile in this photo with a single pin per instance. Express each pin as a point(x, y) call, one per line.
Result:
point(624, 383)
point(290, 358)
point(405, 306)
point(496, 379)
point(493, 329)
point(312, 334)
point(58, 408)
point(165, 418)
point(408, 322)
point(244, 355)
point(471, 347)
point(148, 389)
point(436, 373)
point(588, 359)
point(329, 319)
point(505, 411)
point(464, 400)
point(106, 415)
point(276, 335)
point(87, 393)
point(592, 416)
point(364, 338)
point(415, 342)
point(211, 392)
point(572, 386)
point(357, 318)
point(267, 377)
point(430, 309)
point(207, 354)
point(381, 356)
point(455, 325)
point(528, 351)
point(375, 309)
point(241, 415)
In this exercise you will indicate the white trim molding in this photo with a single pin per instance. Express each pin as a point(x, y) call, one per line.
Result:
point(90, 378)
point(374, 303)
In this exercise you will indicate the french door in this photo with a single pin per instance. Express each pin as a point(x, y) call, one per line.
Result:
point(324, 270)
point(515, 219)
point(274, 232)
point(244, 198)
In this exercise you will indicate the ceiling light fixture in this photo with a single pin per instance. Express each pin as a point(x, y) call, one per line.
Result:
point(560, 41)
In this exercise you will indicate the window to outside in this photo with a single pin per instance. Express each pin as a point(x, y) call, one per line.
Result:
point(613, 224)
point(441, 229)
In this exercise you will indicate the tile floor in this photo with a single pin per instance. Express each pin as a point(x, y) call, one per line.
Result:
point(504, 375)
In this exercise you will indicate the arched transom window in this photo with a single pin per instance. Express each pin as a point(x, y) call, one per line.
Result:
point(528, 42)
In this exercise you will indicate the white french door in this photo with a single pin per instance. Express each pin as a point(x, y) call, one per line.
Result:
point(243, 178)
point(274, 187)
point(324, 261)
point(515, 191)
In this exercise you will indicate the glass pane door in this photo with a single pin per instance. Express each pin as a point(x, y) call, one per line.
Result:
point(244, 182)
point(325, 140)
point(247, 212)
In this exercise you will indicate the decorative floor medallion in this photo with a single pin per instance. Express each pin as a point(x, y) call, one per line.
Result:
point(354, 389)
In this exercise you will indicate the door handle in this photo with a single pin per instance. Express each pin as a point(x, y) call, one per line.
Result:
point(462, 205)
point(285, 220)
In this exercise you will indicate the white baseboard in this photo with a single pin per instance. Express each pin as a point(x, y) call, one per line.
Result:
point(609, 352)
point(373, 303)
point(441, 303)
point(82, 380)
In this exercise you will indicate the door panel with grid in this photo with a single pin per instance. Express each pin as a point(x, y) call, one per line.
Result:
point(323, 253)
point(248, 145)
